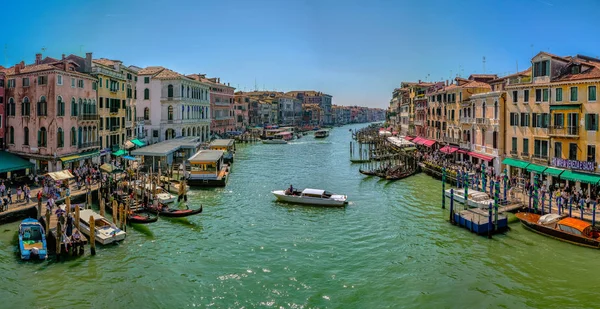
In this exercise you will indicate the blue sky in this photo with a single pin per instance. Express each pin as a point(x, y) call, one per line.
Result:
point(357, 51)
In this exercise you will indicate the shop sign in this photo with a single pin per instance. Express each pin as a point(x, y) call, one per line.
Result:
point(574, 164)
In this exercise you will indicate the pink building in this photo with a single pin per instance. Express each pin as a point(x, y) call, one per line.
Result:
point(46, 113)
point(221, 103)
point(2, 99)
point(241, 113)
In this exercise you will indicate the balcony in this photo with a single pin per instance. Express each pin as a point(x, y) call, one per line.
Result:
point(115, 128)
point(494, 122)
point(514, 153)
point(525, 154)
point(418, 122)
point(466, 120)
point(170, 121)
point(451, 140)
point(540, 158)
point(88, 117)
point(88, 145)
point(562, 131)
point(465, 145)
point(222, 103)
point(482, 121)
point(114, 110)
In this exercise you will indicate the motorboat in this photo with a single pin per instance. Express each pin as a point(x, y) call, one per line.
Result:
point(106, 232)
point(279, 138)
point(172, 185)
point(476, 198)
point(321, 133)
point(564, 228)
point(160, 193)
point(311, 197)
point(32, 240)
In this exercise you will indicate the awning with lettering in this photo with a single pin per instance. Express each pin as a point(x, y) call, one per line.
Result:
point(515, 163)
point(581, 177)
point(481, 156)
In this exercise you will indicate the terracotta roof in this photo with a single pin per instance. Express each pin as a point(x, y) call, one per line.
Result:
point(476, 84)
point(483, 75)
point(591, 73)
point(150, 70)
point(167, 73)
point(554, 56)
point(104, 61)
point(31, 68)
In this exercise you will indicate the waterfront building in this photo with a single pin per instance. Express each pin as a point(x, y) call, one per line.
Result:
point(2, 109)
point(290, 110)
point(45, 109)
point(412, 94)
point(311, 114)
point(241, 112)
point(315, 97)
point(172, 105)
point(552, 120)
point(221, 103)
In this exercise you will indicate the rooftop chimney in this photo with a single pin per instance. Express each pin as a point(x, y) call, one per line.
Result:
point(88, 63)
point(18, 68)
point(63, 56)
point(419, 81)
point(38, 58)
point(446, 82)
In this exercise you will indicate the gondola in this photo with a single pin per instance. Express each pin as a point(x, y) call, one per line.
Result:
point(366, 172)
point(141, 219)
point(400, 176)
point(168, 212)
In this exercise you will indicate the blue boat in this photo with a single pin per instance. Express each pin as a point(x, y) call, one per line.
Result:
point(32, 240)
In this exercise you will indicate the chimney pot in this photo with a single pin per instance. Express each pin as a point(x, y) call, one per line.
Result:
point(419, 81)
point(22, 64)
point(18, 68)
point(38, 58)
point(63, 56)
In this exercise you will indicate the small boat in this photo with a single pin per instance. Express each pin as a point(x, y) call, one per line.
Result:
point(32, 240)
point(401, 175)
point(161, 194)
point(477, 199)
point(172, 185)
point(567, 229)
point(141, 219)
point(106, 232)
point(279, 138)
point(321, 133)
point(165, 211)
point(311, 197)
point(367, 172)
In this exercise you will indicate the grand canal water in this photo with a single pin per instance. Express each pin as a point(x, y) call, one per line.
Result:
point(390, 248)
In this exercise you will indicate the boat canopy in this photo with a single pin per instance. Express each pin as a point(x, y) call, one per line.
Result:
point(313, 191)
point(61, 175)
point(548, 218)
point(574, 226)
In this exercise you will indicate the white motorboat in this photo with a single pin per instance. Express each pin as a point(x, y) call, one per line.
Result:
point(161, 194)
point(311, 197)
point(477, 199)
point(279, 138)
point(321, 133)
point(106, 232)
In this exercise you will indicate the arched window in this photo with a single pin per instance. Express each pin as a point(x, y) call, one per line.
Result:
point(170, 91)
point(146, 113)
point(42, 137)
point(496, 111)
point(188, 113)
point(170, 112)
point(189, 131)
point(11, 135)
point(26, 136)
point(482, 137)
point(94, 136)
point(73, 107)
point(94, 107)
point(25, 107)
point(73, 136)
point(183, 132)
point(194, 131)
point(60, 106)
point(79, 107)
point(495, 139)
point(146, 94)
point(483, 109)
point(42, 107)
point(60, 138)
point(11, 107)
point(188, 91)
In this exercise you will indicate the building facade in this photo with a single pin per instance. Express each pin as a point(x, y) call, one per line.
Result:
point(290, 110)
point(2, 108)
point(221, 103)
point(172, 105)
point(45, 111)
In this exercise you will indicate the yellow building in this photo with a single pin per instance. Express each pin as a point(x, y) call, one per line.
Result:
point(116, 92)
point(552, 121)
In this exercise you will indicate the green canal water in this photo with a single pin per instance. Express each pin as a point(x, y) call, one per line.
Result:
point(391, 247)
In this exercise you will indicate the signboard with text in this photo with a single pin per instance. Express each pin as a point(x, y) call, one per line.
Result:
point(574, 164)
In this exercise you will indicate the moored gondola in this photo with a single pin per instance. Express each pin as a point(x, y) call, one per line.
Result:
point(141, 219)
point(165, 211)
point(367, 172)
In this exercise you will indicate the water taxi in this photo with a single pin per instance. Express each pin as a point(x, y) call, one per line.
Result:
point(227, 145)
point(106, 232)
point(567, 229)
point(321, 133)
point(279, 138)
point(208, 169)
point(32, 240)
point(476, 198)
point(311, 197)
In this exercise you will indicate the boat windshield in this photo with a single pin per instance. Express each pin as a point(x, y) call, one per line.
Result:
point(32, 234)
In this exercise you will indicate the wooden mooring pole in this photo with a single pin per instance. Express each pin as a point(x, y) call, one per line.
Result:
point(92, 235)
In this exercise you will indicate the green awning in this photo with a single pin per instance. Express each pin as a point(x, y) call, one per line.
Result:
point(535, 168)
point(89, 154)
point(564, 106)
point(68, 159)
point(515, 163)
point(119, 153)
point(581, 177)
point(10, 162)
point(553, 171)
point(138, 143)
point(409, 149)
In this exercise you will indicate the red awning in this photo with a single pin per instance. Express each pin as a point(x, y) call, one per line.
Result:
point(428, 142)
point(408, 138)
point(463, 151)
point(418, 140)
point(481, 156)
point(448, 149)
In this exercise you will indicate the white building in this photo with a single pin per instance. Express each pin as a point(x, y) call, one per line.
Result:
point(172, 105)
point(290, 110)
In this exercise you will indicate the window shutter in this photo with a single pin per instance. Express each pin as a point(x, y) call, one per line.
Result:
point(587, 121)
